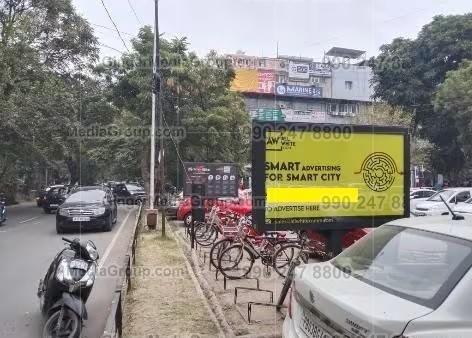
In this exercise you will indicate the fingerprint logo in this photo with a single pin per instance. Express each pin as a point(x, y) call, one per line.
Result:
point(378, 171)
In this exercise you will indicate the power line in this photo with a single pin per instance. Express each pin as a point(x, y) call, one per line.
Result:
point(112, 48)
point(114, 24)
point(134, 12)
point(110, 29)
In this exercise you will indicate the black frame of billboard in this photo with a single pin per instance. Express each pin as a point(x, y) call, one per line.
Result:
point(187, 192)
point(259, 129)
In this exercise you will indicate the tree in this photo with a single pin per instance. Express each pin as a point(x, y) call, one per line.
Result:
point(407, 74)
point(45, 48)
point(195, 97)
point(454, 100)
point(382, 114)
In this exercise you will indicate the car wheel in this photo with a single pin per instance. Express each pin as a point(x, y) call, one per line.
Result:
point(47, 210)
point(188, 219)
point(109, 224)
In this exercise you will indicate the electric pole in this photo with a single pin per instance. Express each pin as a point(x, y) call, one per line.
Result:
point(157, 109)
point(155, 92)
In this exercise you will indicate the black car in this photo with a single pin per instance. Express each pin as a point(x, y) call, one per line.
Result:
point(55, 196)
point(129, 193)
point(87, 208)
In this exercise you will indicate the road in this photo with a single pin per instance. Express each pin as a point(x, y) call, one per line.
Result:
point(28, 243)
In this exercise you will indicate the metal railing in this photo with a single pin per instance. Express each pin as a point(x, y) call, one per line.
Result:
point(114, 323)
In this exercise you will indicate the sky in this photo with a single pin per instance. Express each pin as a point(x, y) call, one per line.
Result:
point(300, 27)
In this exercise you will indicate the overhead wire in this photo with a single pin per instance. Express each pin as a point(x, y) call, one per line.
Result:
point(114, 24)
point(134, 12)
point(111, 29)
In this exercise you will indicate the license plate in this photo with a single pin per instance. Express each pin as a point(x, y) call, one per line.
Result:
point(81, 219)
point(311, 327)
point(79, 265)
point(54, 205)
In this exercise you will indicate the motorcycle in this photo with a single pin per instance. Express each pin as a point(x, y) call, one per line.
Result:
point(3, 210)
point(66, 287)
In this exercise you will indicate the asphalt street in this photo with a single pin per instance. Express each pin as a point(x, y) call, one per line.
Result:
point(28, 244)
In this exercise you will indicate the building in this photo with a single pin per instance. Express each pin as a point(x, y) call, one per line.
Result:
point(299, 89)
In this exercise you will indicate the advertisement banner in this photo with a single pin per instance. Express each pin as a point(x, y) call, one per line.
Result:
point(297, 90)
point(267, 114)
point(287, 115)
point(321, 176)
point(219, 179)
point(320, 69)
point(246, 80)
point(297, 70)
point(266, 81)
point(291, 115)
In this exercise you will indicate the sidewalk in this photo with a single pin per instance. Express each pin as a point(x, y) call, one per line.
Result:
point(166, 299)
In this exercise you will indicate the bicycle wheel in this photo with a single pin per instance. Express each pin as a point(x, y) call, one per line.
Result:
point(236, 261)
point(217, 249)
point(284, 256)
point(207, 238)
point(201, 229)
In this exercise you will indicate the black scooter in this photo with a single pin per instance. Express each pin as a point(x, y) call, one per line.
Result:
point(66, 287)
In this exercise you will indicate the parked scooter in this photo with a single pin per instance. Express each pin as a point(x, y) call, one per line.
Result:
point(66, 287)
point(3, 209)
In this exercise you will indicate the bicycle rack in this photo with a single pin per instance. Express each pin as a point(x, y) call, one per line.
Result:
point(251, 304)
point(225, 282)
point(258, 289)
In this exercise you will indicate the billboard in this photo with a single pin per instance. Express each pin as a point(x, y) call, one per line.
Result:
point(282, 89)
point(328, 177)
point(219, 179)
point(266, 82)
point(254, 81)
point(320, 69)
point(298, 70)
point(246, 80)
point(287, 115)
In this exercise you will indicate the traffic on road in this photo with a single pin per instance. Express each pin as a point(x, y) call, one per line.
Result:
point(28, 244)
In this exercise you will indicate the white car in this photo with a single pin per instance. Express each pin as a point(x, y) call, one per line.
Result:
point(408, 278)
point(418, 195)
point(464, 208)
point(434, 206)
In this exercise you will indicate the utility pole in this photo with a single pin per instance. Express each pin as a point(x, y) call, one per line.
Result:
point(155, 91)
point(157, 109)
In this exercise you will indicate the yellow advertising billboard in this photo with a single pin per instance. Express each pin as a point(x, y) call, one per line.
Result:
point(254, 81)
point(246, 80)
point(325, 176)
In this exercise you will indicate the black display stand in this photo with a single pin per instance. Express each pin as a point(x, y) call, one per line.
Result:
point(198, 211)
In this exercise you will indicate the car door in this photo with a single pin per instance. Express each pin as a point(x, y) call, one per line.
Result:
point(461, 197)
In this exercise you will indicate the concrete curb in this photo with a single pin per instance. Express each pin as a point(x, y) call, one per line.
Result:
point(210, 297)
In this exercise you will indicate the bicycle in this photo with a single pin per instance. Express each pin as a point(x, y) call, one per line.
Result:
point(276, 251)
point(244, 225)
point(207, 233)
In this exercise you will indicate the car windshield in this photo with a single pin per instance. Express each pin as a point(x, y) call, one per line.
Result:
point(446, 194)
point(133, 188)
point(87, 196)
point(420, 266)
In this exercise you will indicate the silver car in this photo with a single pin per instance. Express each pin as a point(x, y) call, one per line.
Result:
point(408, 278)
